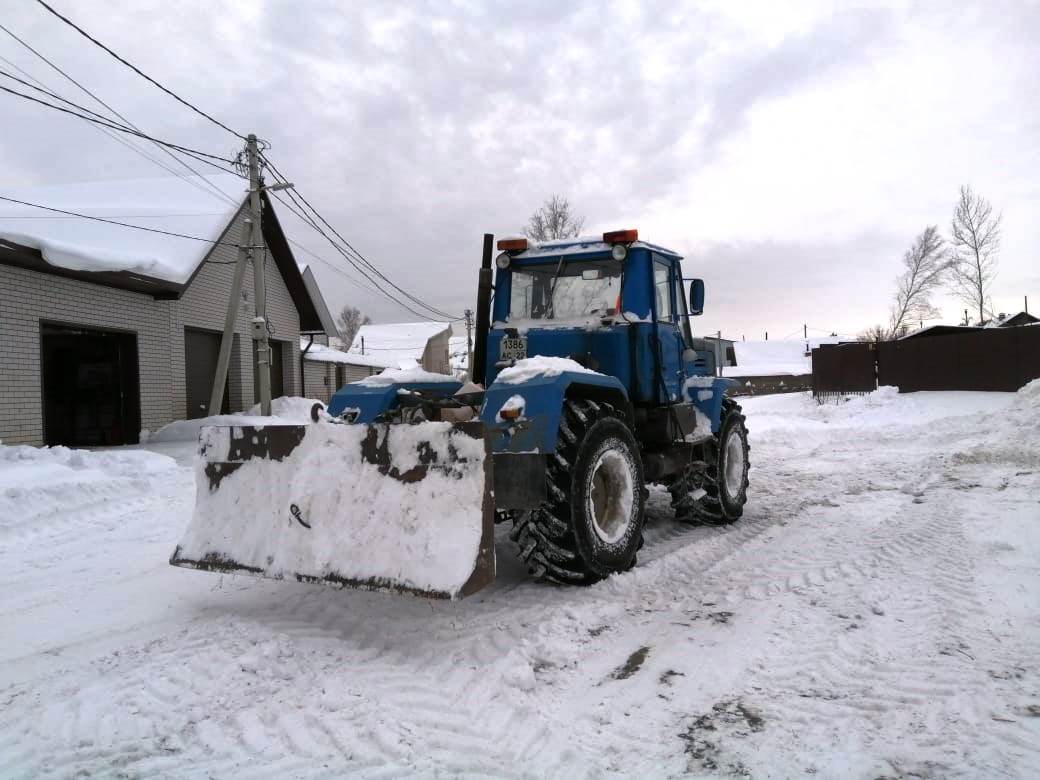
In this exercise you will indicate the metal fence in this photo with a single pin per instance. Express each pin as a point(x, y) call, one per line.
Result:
point(771, 385)
point(997, 359)
point(844, 369)
point(990, 359)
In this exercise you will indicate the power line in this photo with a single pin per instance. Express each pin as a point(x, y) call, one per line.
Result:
point(108, 133)
point(114, 222)
point(307, 220)
point(362, 258)
point(437, 312)
point(125, 142)
point(138, 71)
point(113, 126)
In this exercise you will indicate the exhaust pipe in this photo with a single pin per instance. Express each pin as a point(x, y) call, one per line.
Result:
point(483, 323)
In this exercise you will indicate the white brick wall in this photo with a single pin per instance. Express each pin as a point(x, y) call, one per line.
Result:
point(28, 297)
point(320, 378)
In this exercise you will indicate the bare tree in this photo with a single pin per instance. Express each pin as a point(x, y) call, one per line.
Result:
point(924, 270)
point(975, 241)
point(350, 321)
point(554, 220)
point(873, 333)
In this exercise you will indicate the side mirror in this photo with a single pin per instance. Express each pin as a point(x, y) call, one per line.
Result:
point(697, 296)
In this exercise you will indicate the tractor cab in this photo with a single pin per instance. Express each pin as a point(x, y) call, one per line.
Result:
point(615, 305)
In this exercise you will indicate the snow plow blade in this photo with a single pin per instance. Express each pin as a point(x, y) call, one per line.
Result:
point(396, 507)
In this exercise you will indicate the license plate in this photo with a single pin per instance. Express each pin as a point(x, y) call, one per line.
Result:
point(513, 349)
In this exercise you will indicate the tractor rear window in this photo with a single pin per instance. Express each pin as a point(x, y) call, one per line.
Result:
point(567, 291)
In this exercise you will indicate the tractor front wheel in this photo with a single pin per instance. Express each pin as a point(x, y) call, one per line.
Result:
point(716, 493)
point(591, 525)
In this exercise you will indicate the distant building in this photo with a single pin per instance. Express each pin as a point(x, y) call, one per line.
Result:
point(106, 330)
point(402, 344)
point(1010, 320)
point(721, 347)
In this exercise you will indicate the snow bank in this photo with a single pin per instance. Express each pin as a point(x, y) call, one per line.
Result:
point(285, 410)
point(886, 407)
point(363, 525)
point(35, 482)
point(773, 358)
point(393, 376)
point(537, 366)
point(1011, 434)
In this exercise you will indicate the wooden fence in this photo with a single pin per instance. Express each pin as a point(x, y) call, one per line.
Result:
point(998, 359)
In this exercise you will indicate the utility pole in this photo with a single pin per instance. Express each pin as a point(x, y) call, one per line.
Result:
point(216, 398)
point(249, 243)
point(805, 331)
point(469, 341)
point(263, 345)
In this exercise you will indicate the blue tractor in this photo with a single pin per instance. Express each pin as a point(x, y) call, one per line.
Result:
point(588, 385)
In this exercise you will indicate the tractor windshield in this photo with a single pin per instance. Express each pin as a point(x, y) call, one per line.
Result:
point(565, 290)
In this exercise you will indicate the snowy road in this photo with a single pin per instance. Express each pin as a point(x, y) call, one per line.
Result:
point(875, 614)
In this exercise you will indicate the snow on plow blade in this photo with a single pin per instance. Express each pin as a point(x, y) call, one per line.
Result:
point(405, 508)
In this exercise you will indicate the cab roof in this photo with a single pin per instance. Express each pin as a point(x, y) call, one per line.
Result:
point(583, 245)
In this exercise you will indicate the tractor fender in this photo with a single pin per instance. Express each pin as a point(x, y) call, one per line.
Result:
point(706, 393)
point(534, 432)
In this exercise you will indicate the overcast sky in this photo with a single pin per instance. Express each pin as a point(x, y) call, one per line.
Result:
point(789, 152)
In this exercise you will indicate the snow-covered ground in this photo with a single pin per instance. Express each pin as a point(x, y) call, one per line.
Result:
point(874, 614)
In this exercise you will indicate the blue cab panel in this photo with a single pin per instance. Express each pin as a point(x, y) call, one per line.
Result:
point(372, 400)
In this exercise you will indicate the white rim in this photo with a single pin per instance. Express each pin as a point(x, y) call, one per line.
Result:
point(735, 464)
point(610, 495)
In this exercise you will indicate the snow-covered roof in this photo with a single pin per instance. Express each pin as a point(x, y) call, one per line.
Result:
point(1003, 320)
point(579, 245)
point(320, 353)
point(934, 330)
point(392, 343)
point(328, 324)
point(188, 206)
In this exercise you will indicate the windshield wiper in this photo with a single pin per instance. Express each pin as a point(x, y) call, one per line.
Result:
point(552, 290)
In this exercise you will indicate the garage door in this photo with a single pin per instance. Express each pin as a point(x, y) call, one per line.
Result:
point(90, 386)
point(201, 350)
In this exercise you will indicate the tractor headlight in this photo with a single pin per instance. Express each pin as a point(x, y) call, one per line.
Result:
point(502, 261)
point(619, 252)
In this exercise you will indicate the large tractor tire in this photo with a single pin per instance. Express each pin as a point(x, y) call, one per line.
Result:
point(591, 524)
point(716, 493)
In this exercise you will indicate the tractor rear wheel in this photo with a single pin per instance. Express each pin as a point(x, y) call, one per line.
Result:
point(591, 524)
point(716, 494)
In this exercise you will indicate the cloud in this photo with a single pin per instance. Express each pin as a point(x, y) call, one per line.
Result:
point(790, 152)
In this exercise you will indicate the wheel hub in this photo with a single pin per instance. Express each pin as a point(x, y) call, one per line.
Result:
point(610, 496)
point(733, 471)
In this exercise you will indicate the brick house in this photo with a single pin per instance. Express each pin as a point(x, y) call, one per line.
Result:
point(106, 330)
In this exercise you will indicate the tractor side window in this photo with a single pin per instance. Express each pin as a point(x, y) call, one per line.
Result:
point(663, 291)
point(682, 309)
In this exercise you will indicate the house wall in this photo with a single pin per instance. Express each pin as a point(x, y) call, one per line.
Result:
point(435, 356)
point(353, 373)
point(319, 380)
point(204, 305)
point(29, 297)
